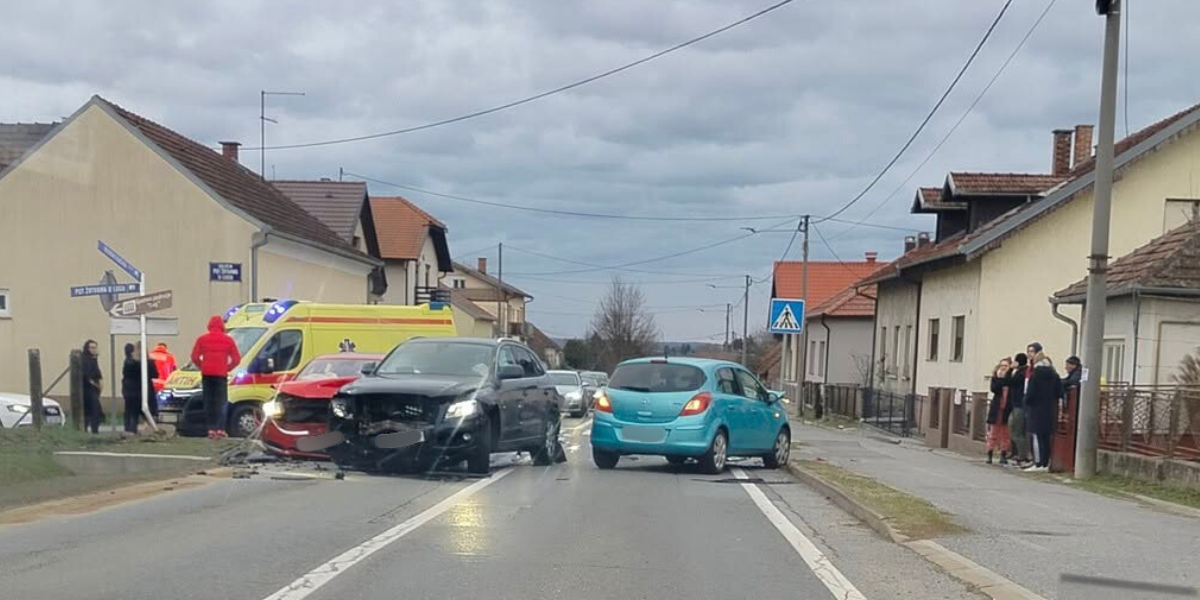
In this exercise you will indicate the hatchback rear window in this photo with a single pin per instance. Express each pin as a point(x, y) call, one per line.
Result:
point(657, 377)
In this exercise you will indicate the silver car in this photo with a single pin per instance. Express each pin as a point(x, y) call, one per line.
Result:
point(570, 387)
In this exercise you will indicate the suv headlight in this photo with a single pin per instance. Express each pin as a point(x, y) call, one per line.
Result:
point(340, 408)
point(575, 395)
point(462, 408)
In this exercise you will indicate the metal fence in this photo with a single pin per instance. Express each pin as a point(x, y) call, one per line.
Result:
point(841, 400)
point(1151, 420)
point(892, 412)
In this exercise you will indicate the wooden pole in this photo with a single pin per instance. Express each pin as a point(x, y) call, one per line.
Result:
point(35, 387)
point(76, 368)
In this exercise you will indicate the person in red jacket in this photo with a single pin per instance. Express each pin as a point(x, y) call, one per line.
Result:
point(215, 353)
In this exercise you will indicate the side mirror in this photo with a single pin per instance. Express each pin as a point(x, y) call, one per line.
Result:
point(269, 367)
point(509, 372)
point(773, 397)
point(368, 368)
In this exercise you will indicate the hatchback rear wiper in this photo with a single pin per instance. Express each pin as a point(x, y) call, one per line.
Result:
point(634, 389)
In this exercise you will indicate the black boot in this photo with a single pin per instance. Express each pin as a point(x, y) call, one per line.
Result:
point(1004, 458)
point(989, 457)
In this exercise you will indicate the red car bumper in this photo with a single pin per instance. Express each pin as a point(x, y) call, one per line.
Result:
point(280, 438)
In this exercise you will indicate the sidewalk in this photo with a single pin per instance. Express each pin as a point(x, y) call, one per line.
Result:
point(1026, 530)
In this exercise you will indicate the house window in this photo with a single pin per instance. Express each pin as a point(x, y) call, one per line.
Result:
point(812, 357)
point(1178, 211)
point(821, 365)
point(5, 303)
point(426, 275)
point(960, 326)
point(896, 351)
point(907, 348)
point(1114, 361)
point(934, 326)
point(883, 350)
point(458, 284)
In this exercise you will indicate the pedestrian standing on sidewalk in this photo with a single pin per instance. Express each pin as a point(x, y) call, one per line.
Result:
point(1042, 394)
point(131, 386)
point(1016, 415)
point(998, 436)
point(215, 353)
point(164, 363)
point(1074, 378)
point(93, 383)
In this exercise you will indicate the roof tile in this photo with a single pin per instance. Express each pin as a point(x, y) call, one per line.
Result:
point(1171, 261)
point(998, 184)
point(854, 301)
point(825, 278)
point(401, 227)
point(337, 204)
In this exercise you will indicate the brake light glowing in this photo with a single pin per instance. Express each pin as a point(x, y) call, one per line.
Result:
point(602, 403)
point(698, 404)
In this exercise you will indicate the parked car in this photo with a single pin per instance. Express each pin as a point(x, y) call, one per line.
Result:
point(600, 376)
point(446, 400)
point(688, 409)
point(592, 383)
point(14, 411)
point(300, 408)
point(573, 391)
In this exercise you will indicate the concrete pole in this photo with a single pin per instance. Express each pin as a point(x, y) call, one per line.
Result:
point(143, 359)
point(746, 322)
point(803, 354)
point(1097, 292)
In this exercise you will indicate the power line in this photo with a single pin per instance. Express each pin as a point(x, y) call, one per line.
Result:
point(829, 247)
point(862, 222)
point(566, 213)
point(603, 282)
point(927, 118)
point(528, 99)
point(598, 266)
point(624, 266)
point(462, 254)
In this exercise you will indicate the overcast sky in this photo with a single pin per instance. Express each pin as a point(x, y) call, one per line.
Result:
point(791, 113)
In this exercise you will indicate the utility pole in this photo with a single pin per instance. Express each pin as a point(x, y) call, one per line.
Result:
point(728, 308)
point(802, 354)
point(500, 294)
point(262, 127)
point(1097, 292)
point(746, 321)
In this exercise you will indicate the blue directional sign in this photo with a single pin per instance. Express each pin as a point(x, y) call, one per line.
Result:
point(97, 289)
point(121, 262)
point(787, 315)
point(224, 271)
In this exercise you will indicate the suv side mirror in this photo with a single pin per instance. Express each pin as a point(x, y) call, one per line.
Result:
point(368, 368)
point(509, 372)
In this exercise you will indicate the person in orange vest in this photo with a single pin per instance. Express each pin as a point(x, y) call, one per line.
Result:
point(164, 361)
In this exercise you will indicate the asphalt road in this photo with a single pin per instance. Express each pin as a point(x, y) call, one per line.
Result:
point(643, 530)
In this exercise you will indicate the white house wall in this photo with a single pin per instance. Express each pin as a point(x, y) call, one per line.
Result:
point(946, 294)
point(896, 305)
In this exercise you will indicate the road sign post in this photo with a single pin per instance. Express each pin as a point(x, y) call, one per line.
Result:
point(140, 287)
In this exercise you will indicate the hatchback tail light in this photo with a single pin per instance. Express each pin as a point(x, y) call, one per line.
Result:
point(603, 404)
point(698, 404)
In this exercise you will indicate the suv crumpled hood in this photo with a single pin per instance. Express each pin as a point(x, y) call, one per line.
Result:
point(431, 386)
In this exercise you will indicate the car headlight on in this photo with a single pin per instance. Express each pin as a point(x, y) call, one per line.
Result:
point(575, 395)
point(340, 408)
point(462, 408)
point(19, 408)
point(273, 409)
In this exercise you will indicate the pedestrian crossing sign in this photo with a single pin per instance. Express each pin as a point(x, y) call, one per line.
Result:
point(787, 315)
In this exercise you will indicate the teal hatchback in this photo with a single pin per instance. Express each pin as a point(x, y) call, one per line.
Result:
point(688, 408)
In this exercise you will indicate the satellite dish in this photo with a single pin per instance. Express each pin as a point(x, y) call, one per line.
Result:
point(108, 300)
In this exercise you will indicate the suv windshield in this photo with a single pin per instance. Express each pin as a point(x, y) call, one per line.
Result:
point(657, 377)
point(439, 358)
point(243, 337)
point(564, 378)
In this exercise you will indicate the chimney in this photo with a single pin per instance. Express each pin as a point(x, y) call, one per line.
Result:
point(871, 256)
point(923, 239)
point(230, 150)
point(1062, 152)
point(910, 243)
point(1083, 144)
point(482, 265)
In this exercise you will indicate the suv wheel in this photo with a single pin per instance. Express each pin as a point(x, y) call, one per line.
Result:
point(550, 448)
point(480, 459)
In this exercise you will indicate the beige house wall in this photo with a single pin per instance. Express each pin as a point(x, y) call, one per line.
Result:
point(404, 275)
point(469, 326)
point(947, 294)
point(1051, 253)
point(298, 272)
point(96, 181)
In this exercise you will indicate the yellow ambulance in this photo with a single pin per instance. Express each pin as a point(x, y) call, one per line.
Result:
point(277, 339)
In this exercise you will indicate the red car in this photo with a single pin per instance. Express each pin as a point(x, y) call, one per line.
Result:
point(301, 406)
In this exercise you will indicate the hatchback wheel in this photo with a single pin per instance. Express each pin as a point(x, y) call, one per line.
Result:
point(713, 461)
point(778, 456)
point(605, 460)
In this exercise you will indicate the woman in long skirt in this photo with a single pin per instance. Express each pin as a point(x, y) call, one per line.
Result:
point(998, 436)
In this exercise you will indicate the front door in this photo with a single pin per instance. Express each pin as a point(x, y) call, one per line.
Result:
point(537, 401)
point(512, 398)
point(758, 435)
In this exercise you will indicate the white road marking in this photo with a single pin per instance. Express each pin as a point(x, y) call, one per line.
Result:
point(314, 579)
point(579, 426)
point(816, 560)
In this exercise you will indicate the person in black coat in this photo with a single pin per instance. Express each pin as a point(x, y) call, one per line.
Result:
point(131, 385)
point(1016, 408)
point(93, 384)
point(1074, 378)
point(998, 436)
point(1042, 396)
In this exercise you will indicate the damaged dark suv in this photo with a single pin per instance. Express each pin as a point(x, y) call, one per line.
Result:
point(445, 400)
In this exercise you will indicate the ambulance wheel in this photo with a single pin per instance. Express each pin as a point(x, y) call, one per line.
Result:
point(245, 419)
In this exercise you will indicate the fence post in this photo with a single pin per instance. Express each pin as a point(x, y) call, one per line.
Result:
point(76, 378)
point(1173, 419)
point(1127, 400)
point(35, 388)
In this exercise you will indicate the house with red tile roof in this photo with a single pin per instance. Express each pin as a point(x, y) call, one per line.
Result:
point(1152, 316)
point(503, 302)
point(839, 337)
point(414, 248)
point(826, 279)
point(167, 204)
point(980, 290)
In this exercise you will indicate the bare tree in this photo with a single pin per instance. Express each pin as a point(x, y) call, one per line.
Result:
point(623, 325)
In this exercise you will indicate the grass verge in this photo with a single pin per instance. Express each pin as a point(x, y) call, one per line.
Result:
point(907, 514)
point(28, 455)
point(1116, 485)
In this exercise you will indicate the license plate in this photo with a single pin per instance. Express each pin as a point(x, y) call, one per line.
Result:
point(54, 420)
point(638, 433)
point(399, 439)
point(168, 418)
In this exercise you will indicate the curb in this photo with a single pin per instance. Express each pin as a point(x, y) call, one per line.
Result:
point(975, 576)
point(113, 463)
